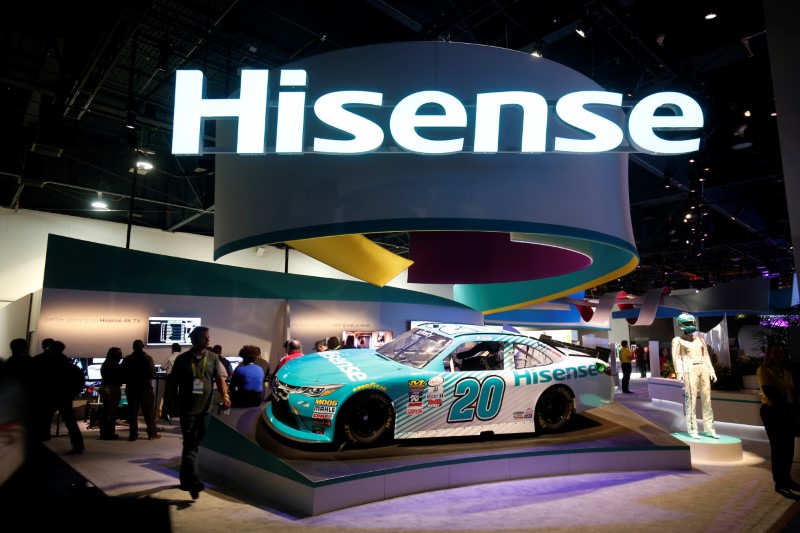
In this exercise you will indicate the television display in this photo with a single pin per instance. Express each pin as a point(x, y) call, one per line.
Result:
point(93, 372)
point(365, 339)
point(163, 331)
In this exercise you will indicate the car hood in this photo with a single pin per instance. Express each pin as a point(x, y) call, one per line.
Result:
point(339, 366)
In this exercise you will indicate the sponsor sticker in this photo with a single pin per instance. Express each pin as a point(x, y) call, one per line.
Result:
point(321, 416)
point(435, 381)
point(416, 383)
point(413, 412)
point(372, 385)
point(528, 413)
point(518, 415)
point(332, 403)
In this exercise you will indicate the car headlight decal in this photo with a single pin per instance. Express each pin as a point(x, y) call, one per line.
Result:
point(283, 390)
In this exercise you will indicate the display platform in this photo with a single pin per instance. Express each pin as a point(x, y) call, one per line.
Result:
point(725, 449)
point(311, 480)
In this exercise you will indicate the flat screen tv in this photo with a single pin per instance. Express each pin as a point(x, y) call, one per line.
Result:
point(163, 331)
point(365, 339)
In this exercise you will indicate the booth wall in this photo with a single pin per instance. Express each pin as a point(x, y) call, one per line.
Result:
point(23, 245)
point(104, 296)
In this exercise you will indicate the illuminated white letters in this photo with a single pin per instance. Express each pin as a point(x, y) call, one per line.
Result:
point(487, 120)
point(191, 109)
point(642, 121)
point(437, 114)
point(607, 135)
point(405, 121)
point(367, 136)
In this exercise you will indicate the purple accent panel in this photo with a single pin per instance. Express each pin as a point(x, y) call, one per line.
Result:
point(485, 257)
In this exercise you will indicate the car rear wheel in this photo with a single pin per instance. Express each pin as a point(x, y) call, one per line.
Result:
point(554, 409)
point(367, 419)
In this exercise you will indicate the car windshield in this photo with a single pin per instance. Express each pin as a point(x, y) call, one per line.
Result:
point(415, 348)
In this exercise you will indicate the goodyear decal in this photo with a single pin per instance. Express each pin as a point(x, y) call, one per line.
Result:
point(367, 386)
point(532, 376)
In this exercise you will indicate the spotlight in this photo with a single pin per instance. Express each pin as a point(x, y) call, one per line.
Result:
point(131, 121)
point(584, 28)
point(99, 203)
point(144, 164)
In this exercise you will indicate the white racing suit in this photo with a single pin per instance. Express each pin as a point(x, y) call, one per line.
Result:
point(691, 360)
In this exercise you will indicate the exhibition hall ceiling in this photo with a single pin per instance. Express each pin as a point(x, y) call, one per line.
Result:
point(74, 76)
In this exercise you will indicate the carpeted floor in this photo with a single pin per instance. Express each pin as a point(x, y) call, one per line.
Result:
point(724, 497)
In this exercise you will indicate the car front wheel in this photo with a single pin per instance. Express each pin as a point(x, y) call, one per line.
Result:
point(554, 409)
point(367, 419)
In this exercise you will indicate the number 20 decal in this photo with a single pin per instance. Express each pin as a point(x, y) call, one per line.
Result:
point(477, 399)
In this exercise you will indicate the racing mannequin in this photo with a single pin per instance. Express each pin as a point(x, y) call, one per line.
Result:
point(693, 366)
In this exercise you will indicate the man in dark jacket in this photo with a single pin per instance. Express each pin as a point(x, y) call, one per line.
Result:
point(138, 372)
point(191, 382)
point(60, 382)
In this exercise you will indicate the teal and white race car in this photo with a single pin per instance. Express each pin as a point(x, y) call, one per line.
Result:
point(437, 380)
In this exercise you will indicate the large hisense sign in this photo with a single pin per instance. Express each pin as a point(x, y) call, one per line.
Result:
point(485, 156)
point(430, 122)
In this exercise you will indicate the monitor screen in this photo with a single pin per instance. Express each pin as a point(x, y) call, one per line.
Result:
point(365, 339)
point(235, 360)
point(93, 372)
point(163, 331)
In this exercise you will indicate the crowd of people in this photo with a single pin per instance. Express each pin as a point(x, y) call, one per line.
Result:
point(196, 381)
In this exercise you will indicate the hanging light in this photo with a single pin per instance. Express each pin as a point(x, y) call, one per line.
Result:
point(98, 203)
point(130, 123)
point(584, 27)
point(144, 164)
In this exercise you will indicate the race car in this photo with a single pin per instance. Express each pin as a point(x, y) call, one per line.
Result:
point(436, 380)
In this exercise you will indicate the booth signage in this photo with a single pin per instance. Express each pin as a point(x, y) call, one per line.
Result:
point(428, 122)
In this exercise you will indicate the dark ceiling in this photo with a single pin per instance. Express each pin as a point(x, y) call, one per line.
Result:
point(74, 74)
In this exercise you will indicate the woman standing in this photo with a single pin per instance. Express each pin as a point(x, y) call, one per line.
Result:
point(110, 393)
point(778, 415)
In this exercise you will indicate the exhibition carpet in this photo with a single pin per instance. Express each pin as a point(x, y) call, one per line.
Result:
point(729, 497)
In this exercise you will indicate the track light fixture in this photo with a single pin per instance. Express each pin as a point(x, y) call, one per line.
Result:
point(130, 123)
point(99, 203)
point(584, 27)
